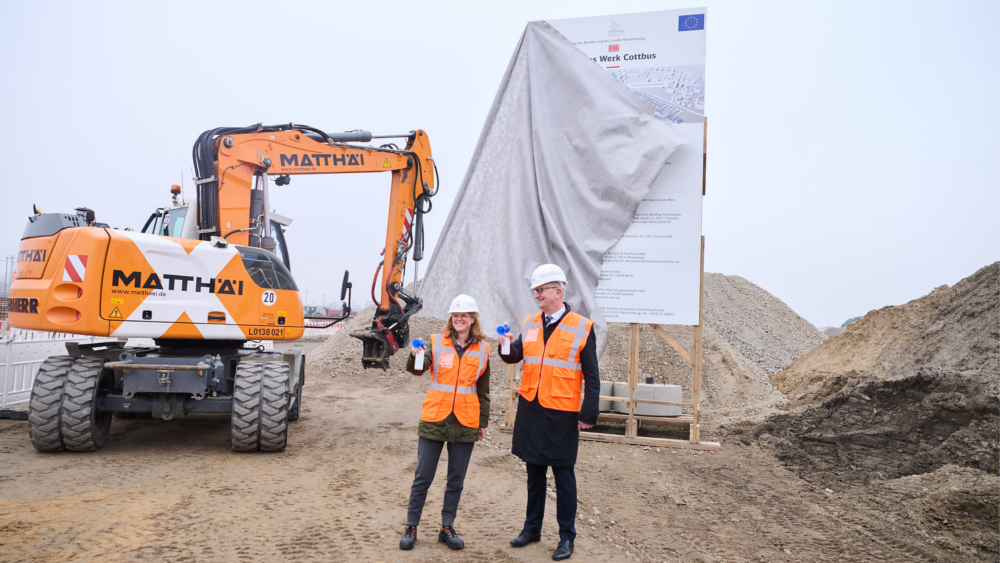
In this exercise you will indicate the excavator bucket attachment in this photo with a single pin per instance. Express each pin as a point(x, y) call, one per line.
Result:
point(388, 333)
point(377, 347)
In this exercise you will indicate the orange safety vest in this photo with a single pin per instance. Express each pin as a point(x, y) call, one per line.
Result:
point(552, 369)
point(453, 382)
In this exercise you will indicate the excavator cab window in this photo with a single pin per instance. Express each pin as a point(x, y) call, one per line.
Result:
point(173, 222)
point(265, 269)
point(280, 247)
point(166, 223)
point(152, 225)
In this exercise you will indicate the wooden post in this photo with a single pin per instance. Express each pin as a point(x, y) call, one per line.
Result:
point(696, 371)
point(632, 425)
point(508, 417)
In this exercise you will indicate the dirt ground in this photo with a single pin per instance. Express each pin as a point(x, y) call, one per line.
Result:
point(879, 444)
point(172, 491)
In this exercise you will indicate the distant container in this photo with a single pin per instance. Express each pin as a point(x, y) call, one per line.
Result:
point(654, 392)
point(606, 388)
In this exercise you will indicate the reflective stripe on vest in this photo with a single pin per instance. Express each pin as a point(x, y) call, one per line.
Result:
point(552, 370)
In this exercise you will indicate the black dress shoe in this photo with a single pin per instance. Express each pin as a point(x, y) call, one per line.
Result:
point(563, 550)
point(409, 538)
point(448, 537)
point(525, 538)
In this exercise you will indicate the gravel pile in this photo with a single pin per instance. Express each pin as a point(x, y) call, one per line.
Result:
point(757, 324)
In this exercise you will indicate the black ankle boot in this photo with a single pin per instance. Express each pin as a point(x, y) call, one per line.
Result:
point(448, 537)
point(409, 538)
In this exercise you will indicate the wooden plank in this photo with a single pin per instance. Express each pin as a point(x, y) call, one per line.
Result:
point(631, 426)
point(641, 441)
point(508, 416)
point(696, 372)
point(681, 420)
point(670, 340)
point(645, 401)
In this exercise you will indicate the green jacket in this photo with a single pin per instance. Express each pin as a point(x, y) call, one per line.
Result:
point(450, 429)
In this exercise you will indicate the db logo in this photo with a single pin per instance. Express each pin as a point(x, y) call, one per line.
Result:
point(613, 48)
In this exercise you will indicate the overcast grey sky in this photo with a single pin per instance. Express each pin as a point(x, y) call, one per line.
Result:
point(853, 146)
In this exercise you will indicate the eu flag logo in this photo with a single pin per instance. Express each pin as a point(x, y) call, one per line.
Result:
point(693, 22)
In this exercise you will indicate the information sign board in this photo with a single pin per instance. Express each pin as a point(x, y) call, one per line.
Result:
point(652, 275)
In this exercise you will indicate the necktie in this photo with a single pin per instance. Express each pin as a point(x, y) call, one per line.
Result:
point(548, 320)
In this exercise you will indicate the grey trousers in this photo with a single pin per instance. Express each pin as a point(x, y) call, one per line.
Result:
point(428, 453)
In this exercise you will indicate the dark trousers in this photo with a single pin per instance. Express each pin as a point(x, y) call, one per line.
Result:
point(565, 499)
point(428, 453)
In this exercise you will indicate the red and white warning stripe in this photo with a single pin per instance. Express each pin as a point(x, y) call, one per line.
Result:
point(76, 268)
point(406, 221)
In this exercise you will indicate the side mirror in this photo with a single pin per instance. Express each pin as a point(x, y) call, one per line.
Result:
point(345, 286)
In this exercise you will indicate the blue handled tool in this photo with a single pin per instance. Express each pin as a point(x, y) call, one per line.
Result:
point(503, 331)
point(418, 360)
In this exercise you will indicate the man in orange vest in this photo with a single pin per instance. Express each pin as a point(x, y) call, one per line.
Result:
point(559, 351)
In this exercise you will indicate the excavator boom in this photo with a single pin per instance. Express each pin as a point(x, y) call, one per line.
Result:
point(233, 166)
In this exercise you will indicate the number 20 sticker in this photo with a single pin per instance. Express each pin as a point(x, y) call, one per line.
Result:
point(269, 297)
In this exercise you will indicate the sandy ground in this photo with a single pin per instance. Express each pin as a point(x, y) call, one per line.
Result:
point(172, 491)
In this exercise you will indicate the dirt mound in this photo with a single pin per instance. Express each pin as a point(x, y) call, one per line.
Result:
point(955, 508)
point(923, 450)
point(956, 328)
point(907, 394)
point(890, 429)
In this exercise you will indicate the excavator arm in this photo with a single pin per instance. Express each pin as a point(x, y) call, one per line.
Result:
point(233, 166)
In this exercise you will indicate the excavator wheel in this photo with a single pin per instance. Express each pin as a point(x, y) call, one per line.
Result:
point(296, 409)
point(44, 410)
point(84, 428)
point(246, 406)
point(274, 407)
point(260, 407)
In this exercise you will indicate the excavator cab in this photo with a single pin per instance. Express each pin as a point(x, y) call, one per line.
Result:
point(180, 220)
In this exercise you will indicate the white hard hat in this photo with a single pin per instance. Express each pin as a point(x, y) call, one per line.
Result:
point(463, 304)
point(547, 273)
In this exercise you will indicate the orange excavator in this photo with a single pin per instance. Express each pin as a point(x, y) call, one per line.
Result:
point(201, 280)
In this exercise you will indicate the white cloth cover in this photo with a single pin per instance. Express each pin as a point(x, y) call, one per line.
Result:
point(564, 159)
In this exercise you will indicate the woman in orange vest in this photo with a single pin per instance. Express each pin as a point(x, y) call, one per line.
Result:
point(456, 412)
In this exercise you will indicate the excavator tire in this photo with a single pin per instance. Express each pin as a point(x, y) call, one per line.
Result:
point(84, 428)
point(260, 407)
point(296, 410)
point(246, 406)
point(44, 410)
point(274, 407)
